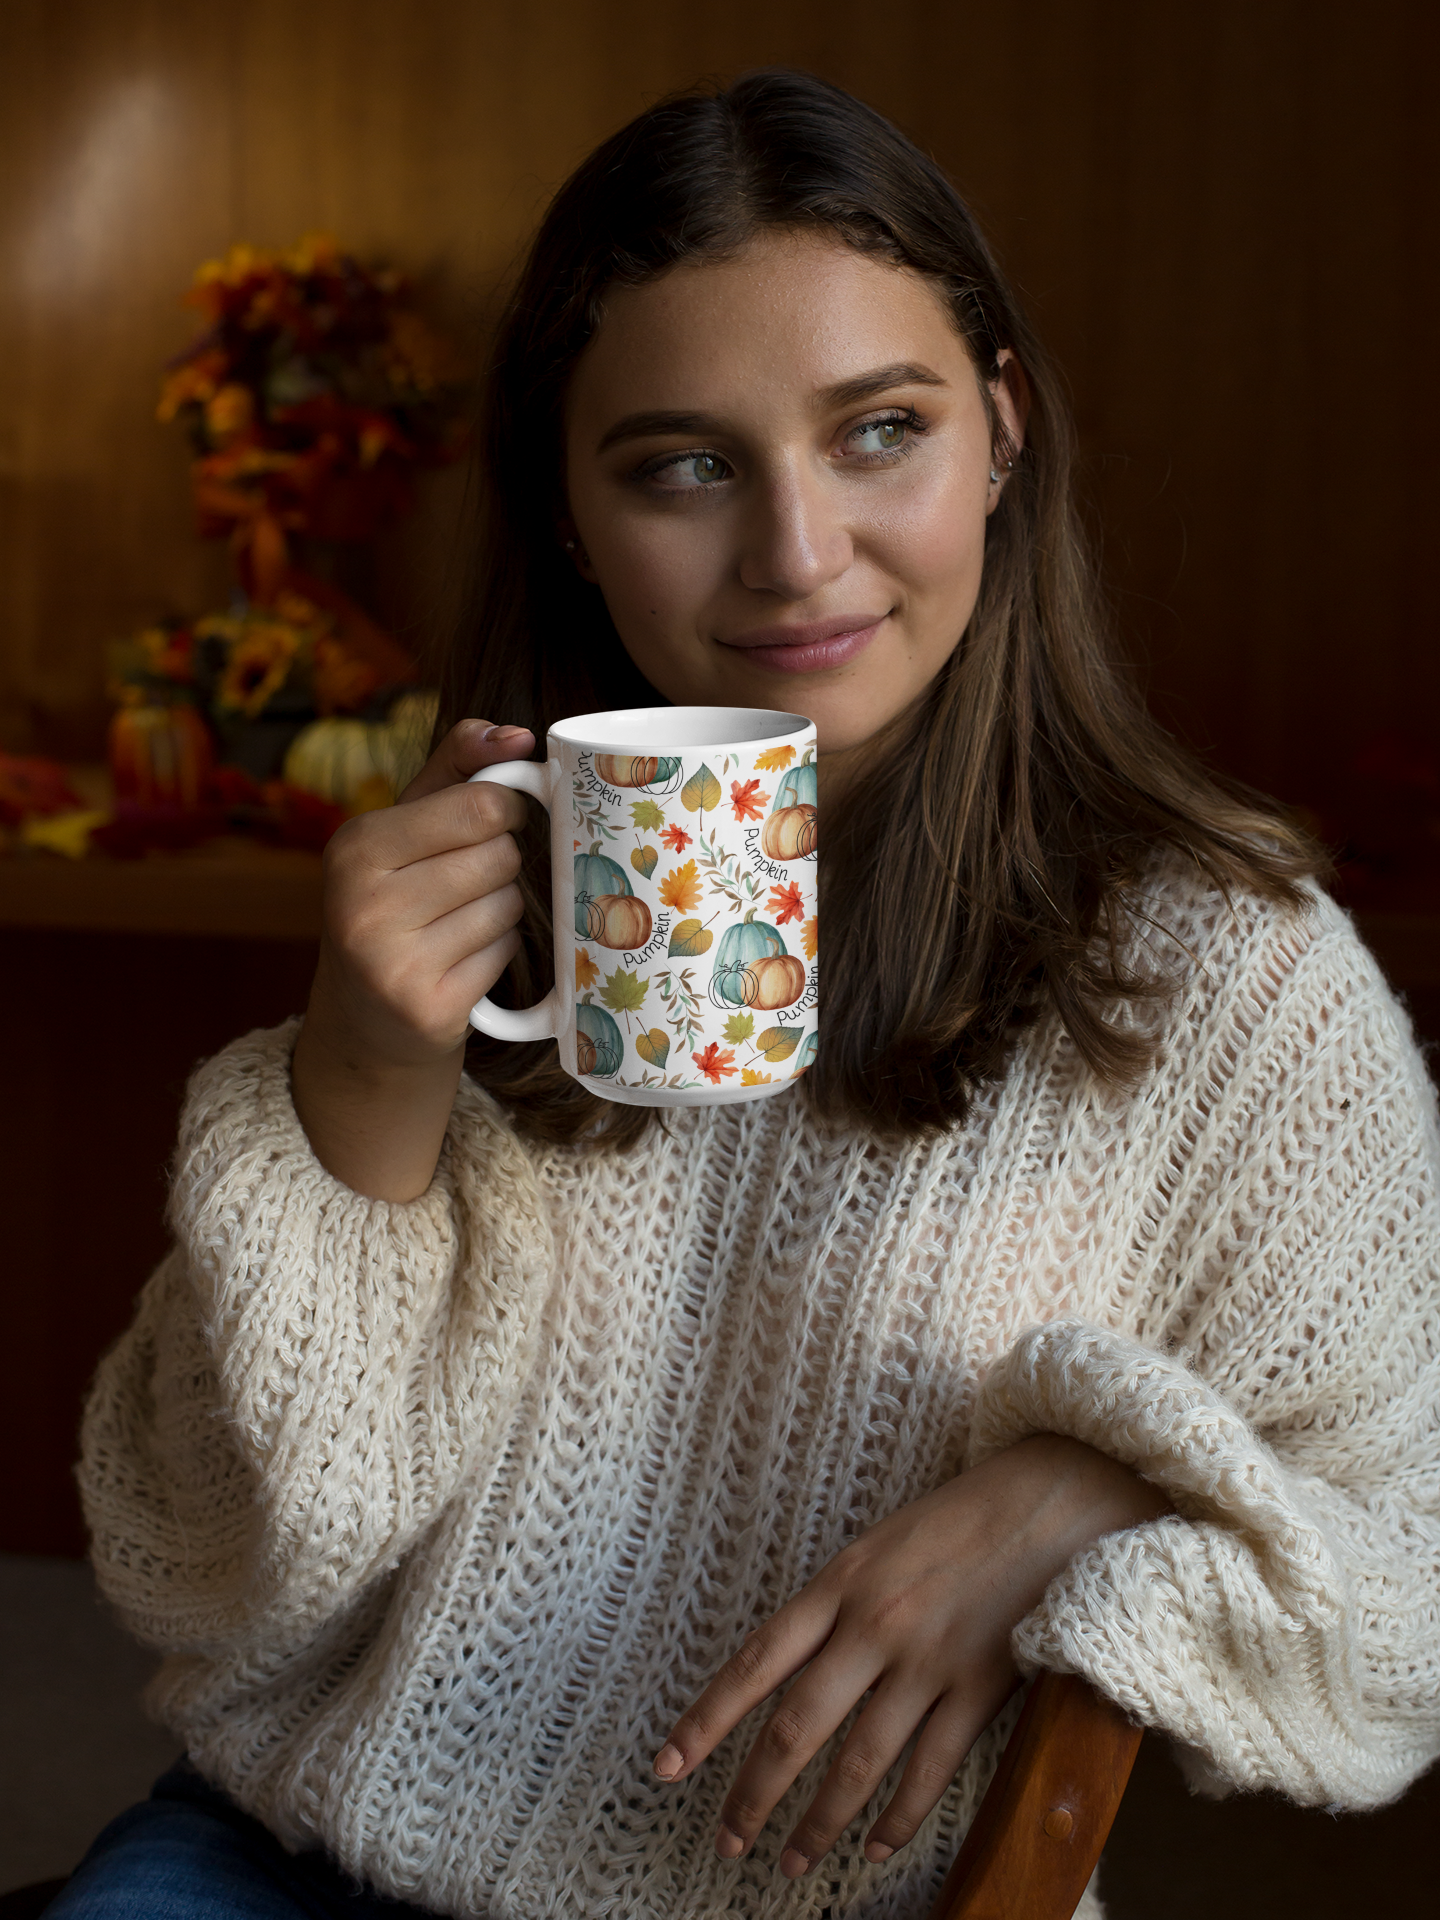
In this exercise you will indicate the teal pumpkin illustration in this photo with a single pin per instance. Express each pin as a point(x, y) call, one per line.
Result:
point(646, 771)
point(752, 968)
point(808, 1053)
point(790, 831)
point(598, 1046)
point(606, 909)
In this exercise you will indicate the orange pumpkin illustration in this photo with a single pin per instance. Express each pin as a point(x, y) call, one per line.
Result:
point(617, 920)
point(791, 833)
point(776, 981)
point(632, 770)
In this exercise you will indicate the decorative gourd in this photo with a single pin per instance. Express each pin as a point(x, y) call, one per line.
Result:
point(776, 981)
point(161, 756)
point(598, 1046)
point(606, 909)
point(790, 834)
point(342, 761)
point(631, 770)
point(741, 948)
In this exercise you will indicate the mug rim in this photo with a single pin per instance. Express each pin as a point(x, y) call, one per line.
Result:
point(695, 729)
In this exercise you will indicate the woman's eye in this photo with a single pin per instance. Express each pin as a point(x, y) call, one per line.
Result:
point(685, 472)
point(882, 436)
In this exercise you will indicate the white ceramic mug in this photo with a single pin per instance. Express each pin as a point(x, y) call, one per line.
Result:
point(683, 856)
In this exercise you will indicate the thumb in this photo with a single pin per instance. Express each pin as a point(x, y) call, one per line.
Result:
point(466, 748)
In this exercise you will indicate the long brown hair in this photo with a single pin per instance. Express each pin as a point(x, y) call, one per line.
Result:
point(981, 868)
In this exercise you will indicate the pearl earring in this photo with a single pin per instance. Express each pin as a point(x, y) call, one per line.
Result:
point(994, 478)
point(570, 546)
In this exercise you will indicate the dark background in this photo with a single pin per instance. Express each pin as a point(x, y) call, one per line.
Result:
point(1222, 218)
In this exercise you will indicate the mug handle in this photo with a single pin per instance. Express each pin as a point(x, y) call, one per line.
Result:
point(544, 1020)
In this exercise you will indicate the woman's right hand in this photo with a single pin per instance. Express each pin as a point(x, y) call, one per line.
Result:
point(420, 913)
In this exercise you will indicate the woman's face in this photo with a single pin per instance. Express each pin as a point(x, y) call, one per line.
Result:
point(778, 469)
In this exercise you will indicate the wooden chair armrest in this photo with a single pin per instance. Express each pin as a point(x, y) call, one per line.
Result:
point(1034, 1843)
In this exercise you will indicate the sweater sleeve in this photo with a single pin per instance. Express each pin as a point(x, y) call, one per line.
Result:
point(1284, 1626)
point(310, 1374)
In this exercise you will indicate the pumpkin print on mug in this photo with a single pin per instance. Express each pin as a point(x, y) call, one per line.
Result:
point(683, 847)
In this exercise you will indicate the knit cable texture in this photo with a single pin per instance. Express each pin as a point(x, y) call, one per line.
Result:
point(443, 1511)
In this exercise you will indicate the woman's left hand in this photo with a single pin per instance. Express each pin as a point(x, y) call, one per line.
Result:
point(918, 1613)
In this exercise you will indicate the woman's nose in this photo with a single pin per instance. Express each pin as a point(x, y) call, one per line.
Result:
point(795, 541)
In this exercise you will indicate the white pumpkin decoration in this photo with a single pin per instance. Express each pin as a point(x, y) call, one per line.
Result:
point(411, 721)
point(344, 761)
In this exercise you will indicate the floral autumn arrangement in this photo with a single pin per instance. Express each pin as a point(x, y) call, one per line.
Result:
point(311, 398)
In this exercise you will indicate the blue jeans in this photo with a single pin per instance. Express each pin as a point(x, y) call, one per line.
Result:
point(189, 1853)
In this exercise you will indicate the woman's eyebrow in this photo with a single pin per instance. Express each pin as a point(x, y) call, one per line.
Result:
point(644, 426)
point(864, 386)
point(846, 393)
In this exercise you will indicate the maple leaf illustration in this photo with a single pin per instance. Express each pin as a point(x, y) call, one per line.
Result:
point(774, 759)
point(785, 903)
point(646, 815)
point(624, 993)
point(749, 1078)
point(809, 936)
point(748, 804)
point(676, 838)
point(680, 888)
point(586, 971)
point(715, 1062)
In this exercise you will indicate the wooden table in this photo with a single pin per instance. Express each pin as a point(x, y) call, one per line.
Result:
point(230, 888)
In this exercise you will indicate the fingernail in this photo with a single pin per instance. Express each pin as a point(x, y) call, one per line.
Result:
point(729, 1845)
point(878, 1851)
point(503, 733)
point(793, 1863)
point(669, 1761)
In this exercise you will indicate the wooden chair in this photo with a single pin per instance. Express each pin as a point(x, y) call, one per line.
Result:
point(1036, 1839)
point(1038, 1834)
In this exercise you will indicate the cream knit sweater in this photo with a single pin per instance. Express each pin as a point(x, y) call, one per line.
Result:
point(443, 1511)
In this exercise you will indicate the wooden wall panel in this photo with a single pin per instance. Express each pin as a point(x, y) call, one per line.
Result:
point(1218, 214)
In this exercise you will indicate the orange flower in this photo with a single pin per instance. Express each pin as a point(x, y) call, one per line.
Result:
point(809, 936)
point(680, 888)
point(586, 971)
point(785, 902)
point(258, 667)
point(749, 1077)
point(676, 838)
point(229, 412)
point(714, 1062)
point(748, 804)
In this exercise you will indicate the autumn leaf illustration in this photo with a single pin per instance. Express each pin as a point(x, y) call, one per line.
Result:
point(624, 993)
point(748, 804)
point(714, 1062)
point(586, 971)
point(689, 939)
point(654, 1047)
point(701, 791)
point(774, 759)
point(749, 1077)
point(776, 1043)
point(739, 1027)
point(680, 888)
point(647, 816)
point(809, 936)
point(645, 860)
point(676, 838)
point(785, 903)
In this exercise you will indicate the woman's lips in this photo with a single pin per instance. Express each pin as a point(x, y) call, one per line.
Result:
point(810, 647)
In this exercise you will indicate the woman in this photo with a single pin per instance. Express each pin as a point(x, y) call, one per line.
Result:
point(486, 1457)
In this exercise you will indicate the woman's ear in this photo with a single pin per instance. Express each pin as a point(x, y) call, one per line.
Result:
point(570, 540)
point(1010, 392)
